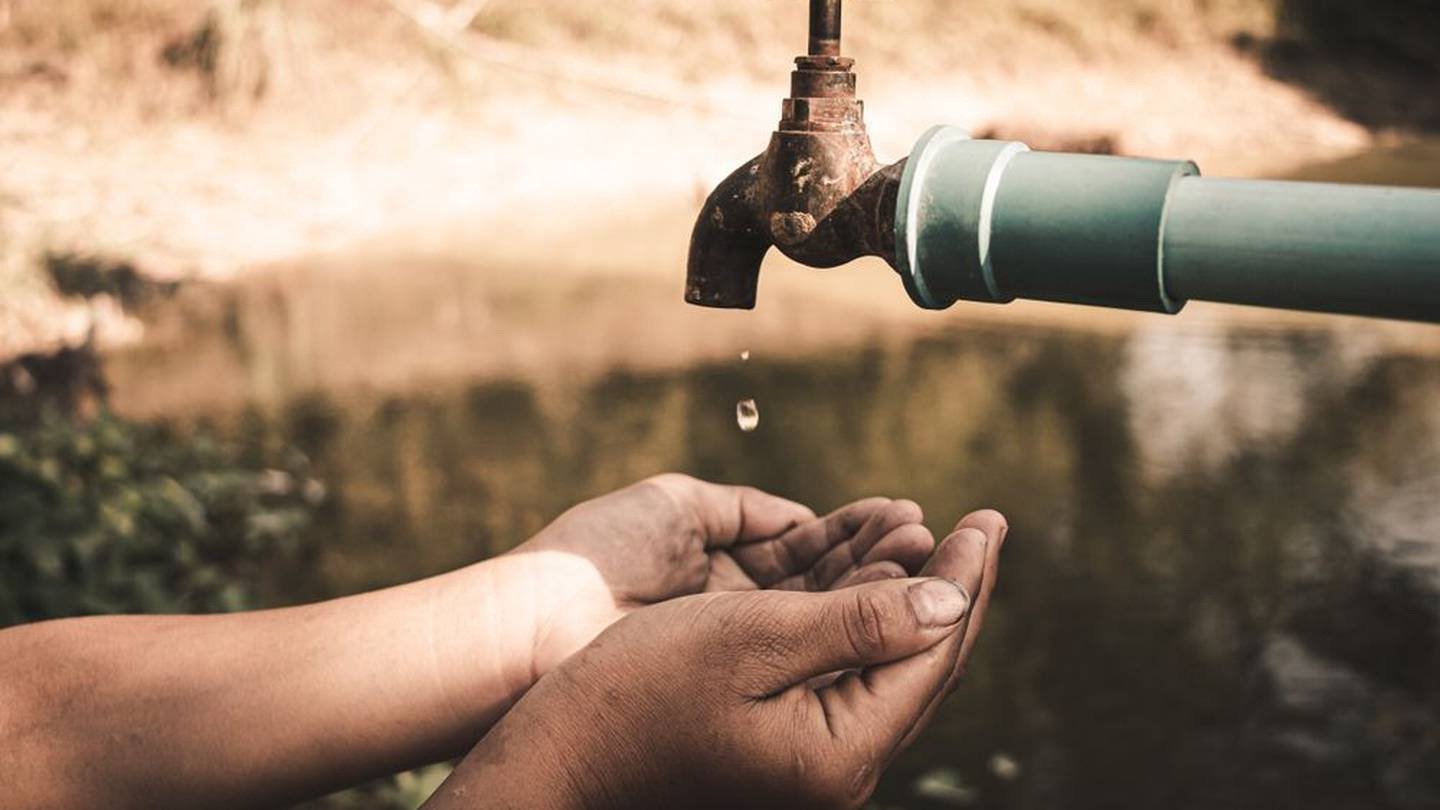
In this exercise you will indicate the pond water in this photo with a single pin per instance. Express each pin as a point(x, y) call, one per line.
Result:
point(1222, 587)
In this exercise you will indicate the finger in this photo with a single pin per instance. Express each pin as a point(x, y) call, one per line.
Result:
point(794, 552)
point(880, 706)
point(898, 513)
point(911, 546)
point(850, 545)
point(907, 547)
point(803, 635)
point(993, 525)
point(725, 515)
point(874, 572)
point(913, 541)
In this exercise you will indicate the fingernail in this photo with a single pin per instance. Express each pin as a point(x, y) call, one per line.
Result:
point(939, 602)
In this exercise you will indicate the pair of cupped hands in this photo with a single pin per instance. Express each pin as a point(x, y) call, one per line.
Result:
point(703, 645)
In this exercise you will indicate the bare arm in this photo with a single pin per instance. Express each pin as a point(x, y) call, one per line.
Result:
point(266, 708)
point(259, 708)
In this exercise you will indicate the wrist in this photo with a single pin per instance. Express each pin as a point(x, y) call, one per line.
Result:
point(561, 602)
point(528, 760)
point(513, 618)
point(481, 632)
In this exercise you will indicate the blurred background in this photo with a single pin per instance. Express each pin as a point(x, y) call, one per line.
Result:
point(304, 298)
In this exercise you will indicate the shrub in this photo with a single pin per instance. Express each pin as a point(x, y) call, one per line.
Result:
point(107, 516)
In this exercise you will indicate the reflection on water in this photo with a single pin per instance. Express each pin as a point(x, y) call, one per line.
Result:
point(1223, 584)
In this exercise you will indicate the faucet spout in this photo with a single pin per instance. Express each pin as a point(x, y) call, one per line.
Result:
point(730, 240)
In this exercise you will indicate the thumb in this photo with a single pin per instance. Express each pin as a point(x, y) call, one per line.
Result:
point(810, 634)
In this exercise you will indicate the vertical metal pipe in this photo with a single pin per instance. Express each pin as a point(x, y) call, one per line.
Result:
point(824, 27)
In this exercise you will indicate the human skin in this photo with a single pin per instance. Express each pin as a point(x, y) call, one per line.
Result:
point(713, 701)
point(270, 707)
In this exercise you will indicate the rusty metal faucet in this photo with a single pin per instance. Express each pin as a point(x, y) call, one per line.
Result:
point(817, 193)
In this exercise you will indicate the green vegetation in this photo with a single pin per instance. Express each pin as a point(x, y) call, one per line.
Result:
point(106, 516)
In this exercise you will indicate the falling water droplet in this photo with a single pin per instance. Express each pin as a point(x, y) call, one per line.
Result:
point(747, 415)
point(745, 355)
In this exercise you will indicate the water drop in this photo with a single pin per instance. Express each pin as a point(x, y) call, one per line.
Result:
point(747, 415)
point(745, 355)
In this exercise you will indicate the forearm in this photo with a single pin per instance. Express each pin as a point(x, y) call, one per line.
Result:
point(266, 707)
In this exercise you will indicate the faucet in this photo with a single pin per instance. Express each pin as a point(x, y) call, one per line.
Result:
point(992, 221)
point(817, 193)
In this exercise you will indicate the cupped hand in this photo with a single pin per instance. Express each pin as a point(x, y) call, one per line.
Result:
point(673, 535)
point(709, 700)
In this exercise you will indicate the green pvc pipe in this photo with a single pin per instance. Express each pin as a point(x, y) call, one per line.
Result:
point(993, 221)
point(1363, 250)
